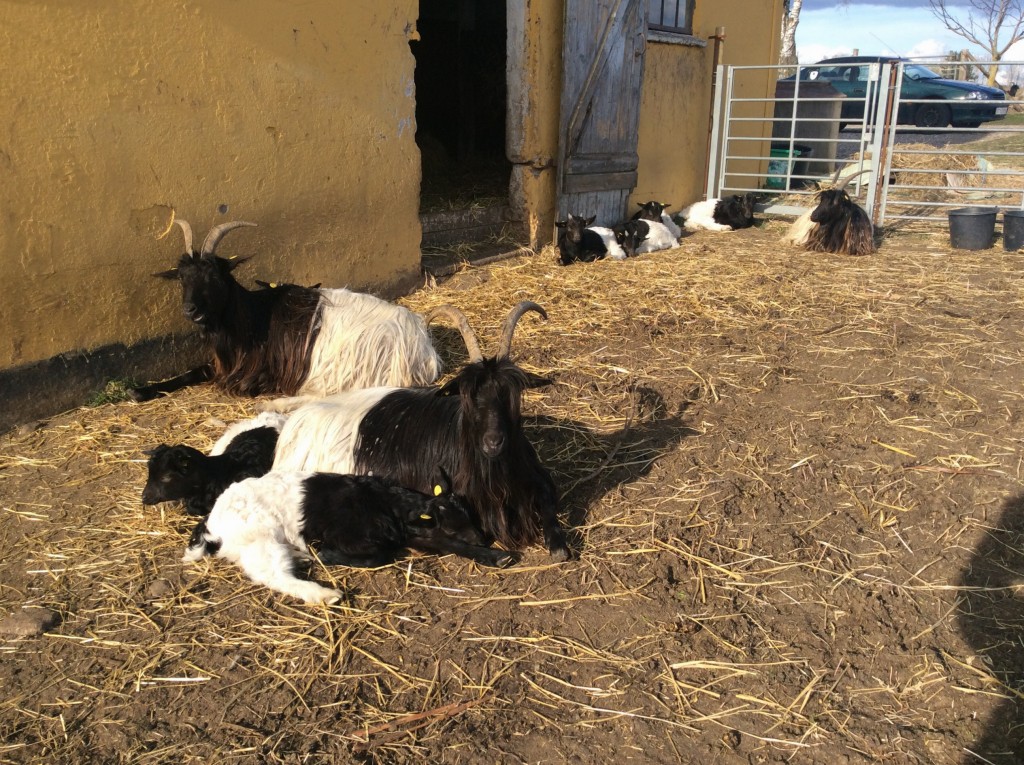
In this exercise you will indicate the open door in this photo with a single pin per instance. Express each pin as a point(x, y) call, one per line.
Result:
point(602, 72)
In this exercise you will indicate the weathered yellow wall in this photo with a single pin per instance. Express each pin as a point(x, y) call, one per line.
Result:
point(676, 100)
point(298, 116)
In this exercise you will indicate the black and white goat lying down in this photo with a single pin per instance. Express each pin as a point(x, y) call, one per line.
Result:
point(286, 339)
point(182, 473)
point(471, 427)
point(650, 230)
point(266, 525)
point(726, 214)
point(657, 212)
point(581, 241)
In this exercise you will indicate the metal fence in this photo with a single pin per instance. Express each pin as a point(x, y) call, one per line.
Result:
point(908, 153)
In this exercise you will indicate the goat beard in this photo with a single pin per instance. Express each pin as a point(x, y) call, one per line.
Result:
point(510, 520)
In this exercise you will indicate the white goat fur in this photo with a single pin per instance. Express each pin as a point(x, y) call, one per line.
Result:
point(263, 420)
point(799, 230)
point(660, 237)
point(367, 341)
point(701, 215)
point(615, 251)
point(258, 522)
point(321, 434)
point(670, 224)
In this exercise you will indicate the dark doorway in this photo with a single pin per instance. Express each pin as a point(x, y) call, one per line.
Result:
point(460, 120)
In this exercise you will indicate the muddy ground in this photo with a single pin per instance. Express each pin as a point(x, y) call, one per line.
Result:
point(795, 485)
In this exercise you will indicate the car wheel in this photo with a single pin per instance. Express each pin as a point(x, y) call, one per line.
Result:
point(932, 115)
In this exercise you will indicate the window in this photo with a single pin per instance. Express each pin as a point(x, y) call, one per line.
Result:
point(670, 16)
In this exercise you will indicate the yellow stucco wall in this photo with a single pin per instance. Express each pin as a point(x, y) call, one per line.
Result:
point(676, 99)
point(114, 113)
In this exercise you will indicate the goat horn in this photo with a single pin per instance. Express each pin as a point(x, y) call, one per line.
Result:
point(505, 344)
point(187, 231)
point(217, 233)
point(459, 319)
point(851, 176)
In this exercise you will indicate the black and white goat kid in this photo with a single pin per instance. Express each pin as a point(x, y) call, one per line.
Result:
point(579, 240)
point(266, 525)
point(287, 339)
point(726, 214)
point(182, 473)
point(656, 211)
point(471, 427)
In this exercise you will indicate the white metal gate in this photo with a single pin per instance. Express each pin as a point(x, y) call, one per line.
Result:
point(871, 132)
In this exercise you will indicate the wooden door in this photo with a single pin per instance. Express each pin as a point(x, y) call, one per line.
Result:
point(602, 71)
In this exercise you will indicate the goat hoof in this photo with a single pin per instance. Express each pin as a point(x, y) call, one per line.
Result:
point(507, 559)
point(560, 554)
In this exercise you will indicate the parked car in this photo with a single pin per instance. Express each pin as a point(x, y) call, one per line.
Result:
point(962, 104)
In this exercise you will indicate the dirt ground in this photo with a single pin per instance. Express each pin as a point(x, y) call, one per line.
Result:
point(794, 479)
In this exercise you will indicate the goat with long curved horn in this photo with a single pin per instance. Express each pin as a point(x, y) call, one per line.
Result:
point(472, 426)
point(217, 233)
point(836, 223)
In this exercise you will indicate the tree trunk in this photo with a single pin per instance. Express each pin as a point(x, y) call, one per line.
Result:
point(787, 48)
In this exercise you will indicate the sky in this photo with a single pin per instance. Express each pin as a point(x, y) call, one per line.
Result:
point(882, 27)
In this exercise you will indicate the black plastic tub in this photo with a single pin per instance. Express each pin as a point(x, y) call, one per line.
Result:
point(1013, 230)
point(972, 228)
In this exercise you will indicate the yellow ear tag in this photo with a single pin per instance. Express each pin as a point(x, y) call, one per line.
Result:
point(273, 285)
point(438, 491)
point(424, 517)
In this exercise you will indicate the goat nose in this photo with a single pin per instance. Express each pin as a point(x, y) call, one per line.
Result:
point(192, 313)
point(493, 444)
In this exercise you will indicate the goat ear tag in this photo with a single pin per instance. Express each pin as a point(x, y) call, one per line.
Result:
point(425, 517)
point(438, 491)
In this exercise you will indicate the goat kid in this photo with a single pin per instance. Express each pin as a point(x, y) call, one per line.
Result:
point(655, 211)
point(181, 473)
point(631, 234)
point(727, 214)
point(471, 427)
point(579, 241)
point(287, 339)
point(265, 525)
point(658, 237)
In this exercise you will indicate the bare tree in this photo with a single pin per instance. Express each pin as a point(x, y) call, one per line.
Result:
point(992, 25)
point(790, 19)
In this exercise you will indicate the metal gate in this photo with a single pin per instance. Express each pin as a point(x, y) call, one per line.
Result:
point(899, 152)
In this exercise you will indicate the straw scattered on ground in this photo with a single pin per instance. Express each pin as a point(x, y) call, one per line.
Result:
point(795, 481)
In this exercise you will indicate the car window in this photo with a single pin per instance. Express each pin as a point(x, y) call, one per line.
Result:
point(834, 72)
point(918, 72)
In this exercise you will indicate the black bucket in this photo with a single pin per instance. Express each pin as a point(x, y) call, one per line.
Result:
point(972, 228)
point(1013, 230)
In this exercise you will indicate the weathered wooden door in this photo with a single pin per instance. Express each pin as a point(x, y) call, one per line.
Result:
point(602, 71)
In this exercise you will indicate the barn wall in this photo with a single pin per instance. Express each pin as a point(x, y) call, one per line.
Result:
point(676, 108)
point(117, 115)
